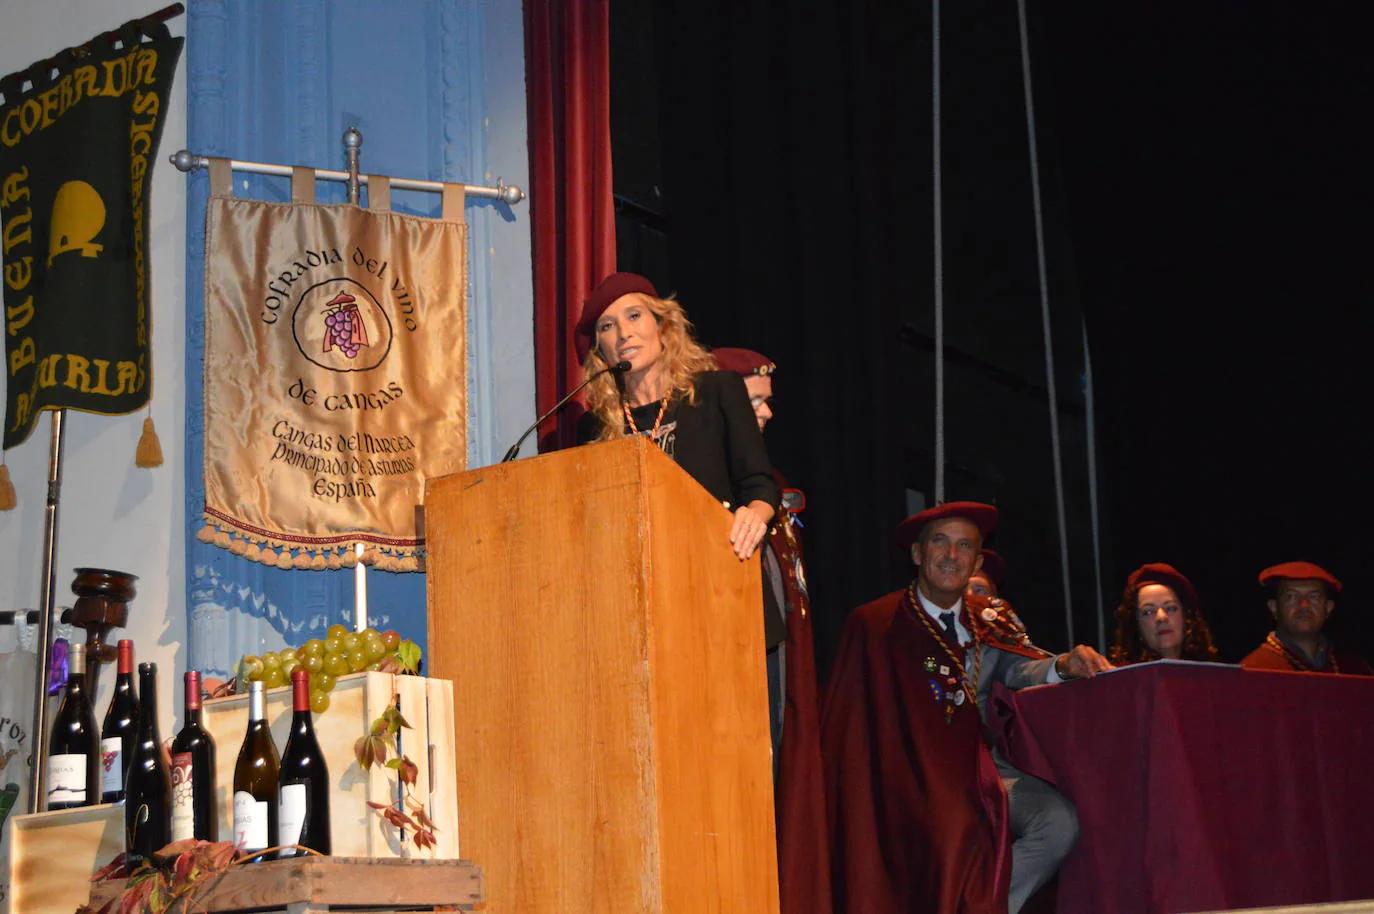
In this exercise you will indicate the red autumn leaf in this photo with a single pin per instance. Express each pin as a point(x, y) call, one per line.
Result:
point(424, 839)
point(409, 772)
point(398, 818)
point(115, 869)
point(423, 818)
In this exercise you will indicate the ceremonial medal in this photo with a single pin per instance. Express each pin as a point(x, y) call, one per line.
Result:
point(929, 664)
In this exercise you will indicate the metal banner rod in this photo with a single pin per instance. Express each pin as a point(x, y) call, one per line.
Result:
point(38, 748)
point(187, 161)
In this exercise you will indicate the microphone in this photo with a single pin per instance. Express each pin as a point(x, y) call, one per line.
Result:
point(619, 368)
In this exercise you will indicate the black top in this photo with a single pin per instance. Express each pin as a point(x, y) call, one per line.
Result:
point(718, 442)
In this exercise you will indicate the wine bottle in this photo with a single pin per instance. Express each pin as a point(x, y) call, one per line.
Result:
point(193, 773)
point(148, 786)
point(73, 749)
point(120, 728)
point(303, 816)
point(255, 781)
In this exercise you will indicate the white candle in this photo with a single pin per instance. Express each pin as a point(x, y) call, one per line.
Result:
point(359, 590)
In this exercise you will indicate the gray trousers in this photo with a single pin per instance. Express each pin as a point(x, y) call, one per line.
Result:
point(1044, 827)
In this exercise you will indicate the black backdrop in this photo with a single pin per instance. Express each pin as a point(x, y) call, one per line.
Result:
point(1204, 199)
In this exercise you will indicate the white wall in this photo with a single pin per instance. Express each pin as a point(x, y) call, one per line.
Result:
point(112, 514)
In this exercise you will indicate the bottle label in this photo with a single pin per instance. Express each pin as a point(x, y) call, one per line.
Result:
point(112, 764)
point(66, 779)
point(291, 813)
point(250, 822)
point(183, 798)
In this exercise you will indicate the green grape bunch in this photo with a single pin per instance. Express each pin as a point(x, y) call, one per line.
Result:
point(339, 652)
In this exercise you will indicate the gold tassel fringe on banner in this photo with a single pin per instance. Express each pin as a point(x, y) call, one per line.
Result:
point(7, 497)
point(325, 556)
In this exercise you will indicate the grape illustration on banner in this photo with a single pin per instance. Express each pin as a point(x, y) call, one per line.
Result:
point(346, 329)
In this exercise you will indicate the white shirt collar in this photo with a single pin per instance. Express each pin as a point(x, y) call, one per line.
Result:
point(935, 612)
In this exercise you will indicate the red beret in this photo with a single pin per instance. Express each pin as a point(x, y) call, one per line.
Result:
point(982, 516)
point(1300, 571)
point(994, 566)
point(602, 297)
point(1168, 575)
point(743, 362)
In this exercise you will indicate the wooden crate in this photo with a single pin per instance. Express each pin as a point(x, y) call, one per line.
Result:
point(302, 886)
point(356, 830)
point(53, 855)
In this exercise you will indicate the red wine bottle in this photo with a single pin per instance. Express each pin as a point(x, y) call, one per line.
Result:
point(120, 729)
point(73, 749)
point(255, 782)
point(148, 787)
point(193, 773)
point(303, 785)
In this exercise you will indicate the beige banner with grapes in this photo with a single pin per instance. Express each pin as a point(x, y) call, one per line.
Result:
point(335, 374)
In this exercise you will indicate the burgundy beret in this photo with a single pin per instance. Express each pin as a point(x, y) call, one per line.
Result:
point(982, 516)
point(743, 362)
point(1168, 575)
point(994, 566)
point(1300, 571)
point(602, 297)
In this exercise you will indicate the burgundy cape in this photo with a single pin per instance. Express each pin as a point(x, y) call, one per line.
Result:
point(916, 808)
point(1266, 657)
point(803, 861)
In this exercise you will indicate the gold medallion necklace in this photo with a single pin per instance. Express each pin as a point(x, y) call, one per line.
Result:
point(970, 686)
point(634, 426)
point(1298, 663)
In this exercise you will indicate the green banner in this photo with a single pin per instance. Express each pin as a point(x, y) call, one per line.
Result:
point(77, 150)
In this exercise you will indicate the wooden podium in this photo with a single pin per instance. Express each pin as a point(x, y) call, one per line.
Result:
point(610, 698)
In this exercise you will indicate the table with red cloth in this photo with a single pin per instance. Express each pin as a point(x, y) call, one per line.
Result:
point(1202, 787)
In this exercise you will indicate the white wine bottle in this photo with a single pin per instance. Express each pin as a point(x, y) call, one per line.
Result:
point(255, 782)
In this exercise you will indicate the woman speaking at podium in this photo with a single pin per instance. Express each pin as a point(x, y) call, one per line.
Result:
point(652, 378)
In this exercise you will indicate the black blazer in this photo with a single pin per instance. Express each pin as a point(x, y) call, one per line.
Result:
point(718, 442)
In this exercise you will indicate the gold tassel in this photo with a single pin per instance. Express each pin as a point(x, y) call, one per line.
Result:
point(284, 560)
point(222, 540)
point(333, 563)
point(252, 552)
point(206, 534)
point(239, 547)
point(302, 561)
point(149, 452)
point(347, 558)
point(409, 563)
point(7, 497)
point(317, 563)
point(267, 556)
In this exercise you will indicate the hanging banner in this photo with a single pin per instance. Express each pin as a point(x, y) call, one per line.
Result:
point(335, 376)
point(76, 156)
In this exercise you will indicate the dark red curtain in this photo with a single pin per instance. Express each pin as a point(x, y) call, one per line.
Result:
point(567, 75)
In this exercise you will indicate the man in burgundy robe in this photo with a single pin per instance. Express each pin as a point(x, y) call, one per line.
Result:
point(916, 806)
point(1301, 602)
point(803, 859)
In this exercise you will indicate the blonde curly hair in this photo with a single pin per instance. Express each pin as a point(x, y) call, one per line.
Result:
point(683, 357)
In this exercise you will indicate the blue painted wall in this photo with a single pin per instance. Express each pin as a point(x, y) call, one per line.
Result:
point(437, 90)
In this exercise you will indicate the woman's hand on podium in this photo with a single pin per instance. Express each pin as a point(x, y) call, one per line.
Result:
point(750, 527)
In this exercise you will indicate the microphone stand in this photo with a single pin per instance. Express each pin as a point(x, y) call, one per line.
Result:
point(618, 368)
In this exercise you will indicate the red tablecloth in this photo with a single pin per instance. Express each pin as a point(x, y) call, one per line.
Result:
point(1204, 787)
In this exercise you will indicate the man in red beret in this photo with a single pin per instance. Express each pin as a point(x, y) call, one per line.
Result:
point(920, 816)
point(803, 861)
point(987, 581)
point(1300, 600)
